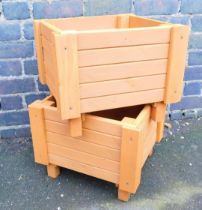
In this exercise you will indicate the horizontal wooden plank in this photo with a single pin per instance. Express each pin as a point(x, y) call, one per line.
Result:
point(92, 136)
point(122, 54)
point(122, 37)
point(97, 89)
point(121, 100)
point(84, 23)
point(82, 146)
point(103, 125)
point(94, 123)
point(83, 157)
point(88, 135)
point(84, 168)
point(101, 139)
point(122, 70)
point(139, 22)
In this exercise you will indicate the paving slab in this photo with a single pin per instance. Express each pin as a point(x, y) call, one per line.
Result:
point(171, 178)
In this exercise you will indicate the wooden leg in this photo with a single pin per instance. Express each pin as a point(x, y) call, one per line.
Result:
point(53, 170)
point(123, 195)
point(160, 131)
point(158, 115)
point(75, 126)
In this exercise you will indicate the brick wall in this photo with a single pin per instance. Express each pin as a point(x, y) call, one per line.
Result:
point(19, 83)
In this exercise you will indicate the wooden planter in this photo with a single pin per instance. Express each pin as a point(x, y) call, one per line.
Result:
point(114, 146)
point(107, 62)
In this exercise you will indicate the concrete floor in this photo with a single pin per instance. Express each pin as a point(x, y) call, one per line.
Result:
point(171, 178)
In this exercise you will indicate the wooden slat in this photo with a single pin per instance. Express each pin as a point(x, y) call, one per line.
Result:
point(83, 146)
point(51, 113)
point(176, 63)
point(37, 123)
point(122, 54)
point(67, 66)
point(39, 51)
point(131, 156)
point(97, 89)
point(85, 23)
point(84, 168)
point(50, 72)
point(123, 37)
point(103, 125)
point(52, 86)
point(122, 70)
point(136, 21)
point(143, 118)
point(94, 123)
point(121, 100)
point(83, 157)
point(158, 114)
point(149, 142)
point(95, 137)
point(64, 128)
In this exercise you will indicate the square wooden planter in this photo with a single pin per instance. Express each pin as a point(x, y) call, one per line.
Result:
point(107, 62)
point(114, 146)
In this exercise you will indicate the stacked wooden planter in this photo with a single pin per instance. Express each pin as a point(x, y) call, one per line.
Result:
point(110, 78)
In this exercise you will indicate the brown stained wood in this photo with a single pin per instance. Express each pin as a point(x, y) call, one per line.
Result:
point(67, 65)
point(37, 122)
point(39, 51)
point(53, 171)
point(158, 111)
point(122, 54)
point(122, 21)
point(84, 23)
point(131, 156)
point(158, 114)
point(91, 90)
point(93, 123)
point(83, 146)
point(104, 139)
point(123, 37)
point(95, 129)
point(121, 100)
point(84, 168)
point(112, 158)
point(83, 157)
point(122, 71)
point(75, 127)
point(123, 195)
point(160, 131)
point(109, 48)
point(149, 142)
point(176, 63)
point(103, 125)
point(48, 30)
point(136, 21)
